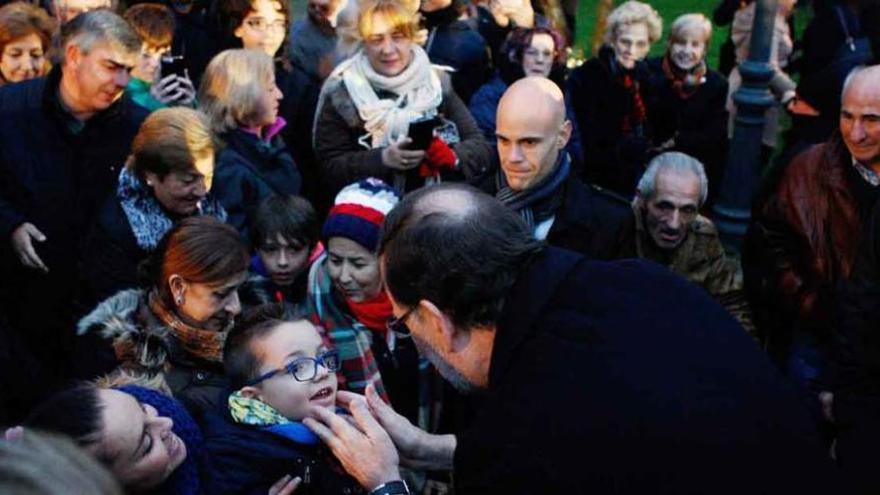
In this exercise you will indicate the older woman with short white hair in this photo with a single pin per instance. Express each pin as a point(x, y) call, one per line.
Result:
point(609, 99)
point(239, 95)
point(368, 106)
point(688, 112)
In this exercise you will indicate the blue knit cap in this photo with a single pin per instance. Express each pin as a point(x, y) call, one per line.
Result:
point(359, 211)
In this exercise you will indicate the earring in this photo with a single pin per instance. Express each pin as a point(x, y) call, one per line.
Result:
point(179, 300)
point(150, 183)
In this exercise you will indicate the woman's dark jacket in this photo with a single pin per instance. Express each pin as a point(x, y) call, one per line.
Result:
point(250, 170)
point(244, 459)
point(599, 103)
point(455, 43)
point(484, 105)
point(344, 161)
point(697, 123)
point(111, 257)
point(127, 317)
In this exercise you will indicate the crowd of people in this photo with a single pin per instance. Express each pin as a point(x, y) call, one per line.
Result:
point(401, 247)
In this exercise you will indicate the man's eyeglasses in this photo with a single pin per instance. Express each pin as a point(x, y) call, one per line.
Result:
point(304, 369)
point(398, 325)
point(262, 25)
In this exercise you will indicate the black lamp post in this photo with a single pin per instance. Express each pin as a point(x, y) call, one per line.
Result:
point(742, 175)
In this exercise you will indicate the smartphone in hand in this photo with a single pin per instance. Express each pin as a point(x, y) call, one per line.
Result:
point(173, 64)
point(421, 132)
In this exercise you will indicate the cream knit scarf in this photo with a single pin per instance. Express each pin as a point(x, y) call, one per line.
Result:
point(418, 89)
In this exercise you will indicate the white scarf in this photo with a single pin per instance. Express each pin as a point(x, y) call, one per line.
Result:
point(386, 120)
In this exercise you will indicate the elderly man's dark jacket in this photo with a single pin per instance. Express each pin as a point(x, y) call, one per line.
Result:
point(804, 240)
point(56, 179)
point(620, 377)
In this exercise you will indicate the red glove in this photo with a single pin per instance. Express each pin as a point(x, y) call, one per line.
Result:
point(438, 156)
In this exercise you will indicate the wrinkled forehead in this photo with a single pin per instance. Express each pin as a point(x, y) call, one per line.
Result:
point(632, 31)
point(107, 50)
point(682, 188)
point(862, 96)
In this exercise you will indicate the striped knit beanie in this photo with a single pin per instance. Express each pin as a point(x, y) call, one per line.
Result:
point(359, 211)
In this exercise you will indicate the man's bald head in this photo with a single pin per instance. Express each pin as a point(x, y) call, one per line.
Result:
point(532, 131)
point(534, 98)
point(860, 79)
point(860, 115)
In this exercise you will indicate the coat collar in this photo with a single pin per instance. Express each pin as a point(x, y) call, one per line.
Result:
point(52, 104)
point(576, 208)
point(525, 303)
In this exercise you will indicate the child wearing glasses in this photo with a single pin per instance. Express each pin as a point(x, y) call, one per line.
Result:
point(278, 366)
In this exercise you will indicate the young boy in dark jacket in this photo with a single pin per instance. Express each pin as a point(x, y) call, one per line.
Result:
point(279, 366)
point(284, 237)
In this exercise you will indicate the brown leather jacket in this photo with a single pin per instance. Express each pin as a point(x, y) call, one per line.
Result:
point(805, 237)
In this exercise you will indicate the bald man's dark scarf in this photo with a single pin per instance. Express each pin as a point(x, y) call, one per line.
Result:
point(540, 202)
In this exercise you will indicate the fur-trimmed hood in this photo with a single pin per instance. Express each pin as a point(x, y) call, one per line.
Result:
point(137, 342)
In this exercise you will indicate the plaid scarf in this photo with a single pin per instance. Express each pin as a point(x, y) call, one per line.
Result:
point(192, 342)
point(345, 333)
point(684, 82)
point(539, 202)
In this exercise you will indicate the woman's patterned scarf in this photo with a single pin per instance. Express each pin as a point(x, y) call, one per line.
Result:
point(192, 342)
point(148, 220)
point(684, 82)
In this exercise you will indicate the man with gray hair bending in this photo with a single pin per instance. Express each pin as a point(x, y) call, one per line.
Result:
point(670, 230)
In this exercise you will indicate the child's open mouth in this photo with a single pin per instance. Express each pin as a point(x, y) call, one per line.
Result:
point(323, 395)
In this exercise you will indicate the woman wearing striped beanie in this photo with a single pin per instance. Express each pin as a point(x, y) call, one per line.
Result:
point(349, 300)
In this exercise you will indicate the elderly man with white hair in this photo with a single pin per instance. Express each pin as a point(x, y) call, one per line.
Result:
point(670, 230)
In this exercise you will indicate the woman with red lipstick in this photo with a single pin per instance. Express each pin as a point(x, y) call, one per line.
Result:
point(167, 177)
point(241, 98)
point(609, 97)
point(370, 101)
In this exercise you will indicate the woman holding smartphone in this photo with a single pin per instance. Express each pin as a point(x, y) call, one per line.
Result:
point(370, 100)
